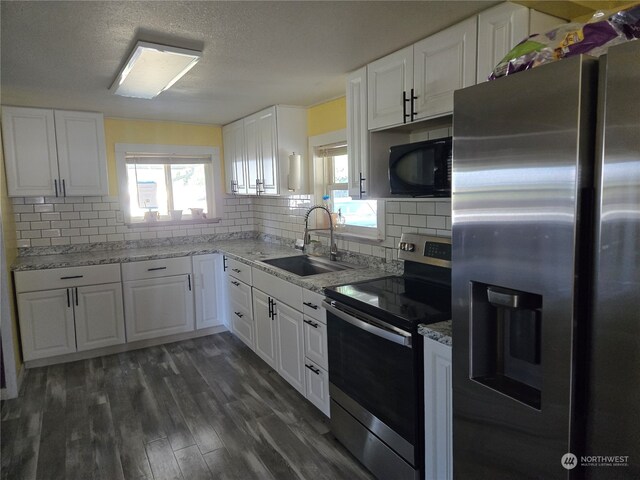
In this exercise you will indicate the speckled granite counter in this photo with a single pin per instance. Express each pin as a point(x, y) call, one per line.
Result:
point(250, 252)
point(440, 332)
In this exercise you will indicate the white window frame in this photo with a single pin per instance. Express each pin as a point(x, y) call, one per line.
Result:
point(213, 175)
point(319, 185)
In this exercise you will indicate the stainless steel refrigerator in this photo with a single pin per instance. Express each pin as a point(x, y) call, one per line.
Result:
point(546, 271)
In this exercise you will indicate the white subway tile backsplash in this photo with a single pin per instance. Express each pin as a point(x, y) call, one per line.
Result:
point(40, 242)
point(40, 225)
point(408, 207)
point(29, 217)
point(63, 207)
point(426, 208)
point(45, 207)
point(23, 209)
point(53, 232)
point(443, 208)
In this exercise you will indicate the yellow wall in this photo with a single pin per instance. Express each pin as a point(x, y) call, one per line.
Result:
point(119, 130)
point(327, 117)
point(10, 252)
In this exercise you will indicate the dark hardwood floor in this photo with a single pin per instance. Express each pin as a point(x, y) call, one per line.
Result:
point(197, 409)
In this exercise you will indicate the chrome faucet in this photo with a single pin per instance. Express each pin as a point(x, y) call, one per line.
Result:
point(333, 248)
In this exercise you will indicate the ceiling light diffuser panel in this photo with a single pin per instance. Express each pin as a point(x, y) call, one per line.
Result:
point(152, 69)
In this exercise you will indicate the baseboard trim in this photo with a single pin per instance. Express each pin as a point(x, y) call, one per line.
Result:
point(125, 347)
point(5, 394)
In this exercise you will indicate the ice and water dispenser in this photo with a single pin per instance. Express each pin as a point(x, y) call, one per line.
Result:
point(505, 341)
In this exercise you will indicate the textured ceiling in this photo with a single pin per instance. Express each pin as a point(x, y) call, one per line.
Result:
point(255, 54)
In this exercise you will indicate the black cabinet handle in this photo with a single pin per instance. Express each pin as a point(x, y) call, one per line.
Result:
point(77, 296)
point(224, 263)
point(237, 284)
point(156, 268)
point(237, 270)
point(239, 314)
point(314, 370)
point(55, 184)
point(71, 276)
point(413, 112)
point(64, 188)
point(189, 279)
point(270, 308)
point(68, 300)
point(273, 308)
point(309, 322)
point(362, 191)
point(310, 305)
point(405, 115)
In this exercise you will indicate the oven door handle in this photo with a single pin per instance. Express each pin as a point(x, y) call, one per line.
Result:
point(403, 339)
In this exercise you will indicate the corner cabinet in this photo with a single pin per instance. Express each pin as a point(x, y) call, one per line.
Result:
point(257, 149)
point(54, 152)
point(357, 133)
point(438, 411)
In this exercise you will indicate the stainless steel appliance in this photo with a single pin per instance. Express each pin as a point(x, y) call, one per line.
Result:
point(376, 357)
point(546, 357)
point(421, 169)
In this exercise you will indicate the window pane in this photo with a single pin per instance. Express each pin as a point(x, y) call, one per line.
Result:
point(189, 187)
point(361, 213)
point(147, 189)
point(340, 169)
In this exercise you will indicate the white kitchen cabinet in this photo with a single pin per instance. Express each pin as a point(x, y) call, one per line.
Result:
point(315, 342)
point(317, 382)
point(266, 331)
point(389, 83)
point(51, 152)
point(99, 319)
point(501, 28)
point(438, 413)
point(268, 138)
point(357, 133)
point(235, 162)
point(240, 310)
point(206, 290)
point(64, 310)
point(443, 63)
point(46, 323)
point(290, 354)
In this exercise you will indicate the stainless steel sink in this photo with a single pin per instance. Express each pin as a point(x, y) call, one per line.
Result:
point(304, 265)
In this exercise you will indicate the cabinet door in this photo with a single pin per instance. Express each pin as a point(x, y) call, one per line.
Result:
point(499, 29)
point(438, 410)
point(252, 152)
point(30, 154)
point(317, 380)
point(268, 151)
point(234, 157)
point(82, 156)
point(357, 132)
point(158, 306)
point(99, 316)
point(315, 342)
point(205, 290)
point(266, 339)
point(387, 79)
point(46, 323)
point(443, 63)
point(290, 346)
point(242, 323)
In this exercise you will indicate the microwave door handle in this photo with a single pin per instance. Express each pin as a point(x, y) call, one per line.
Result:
point(403, 339)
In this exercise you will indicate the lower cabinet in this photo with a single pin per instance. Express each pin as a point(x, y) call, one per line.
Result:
point(290, 354)
point(206, 290)
point(438, 413)
point(99, 316)
point(266, 331)
point(317, 380)
point(240, 310)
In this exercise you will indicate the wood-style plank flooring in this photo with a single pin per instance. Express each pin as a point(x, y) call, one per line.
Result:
point(196, 409)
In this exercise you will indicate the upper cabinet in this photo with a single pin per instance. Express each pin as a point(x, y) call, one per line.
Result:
point(49, 152)
point(443, 63)
point(501, 28)
point(257, 150)
point(357, 133)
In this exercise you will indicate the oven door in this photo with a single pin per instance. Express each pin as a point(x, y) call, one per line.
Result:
point(373, 375)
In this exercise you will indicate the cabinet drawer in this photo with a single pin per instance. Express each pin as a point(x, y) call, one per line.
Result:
point(312, 305)
point(50, 279)
point(275, 287)
point(240, 294)
point(315, 342)
point(239, 270)
point(156, 268)
point(317, 381)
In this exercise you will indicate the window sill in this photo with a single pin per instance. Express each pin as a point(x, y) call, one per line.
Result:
point(170, 223)
point(350, 236)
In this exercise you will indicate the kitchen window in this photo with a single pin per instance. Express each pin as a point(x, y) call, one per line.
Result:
point(160, 184)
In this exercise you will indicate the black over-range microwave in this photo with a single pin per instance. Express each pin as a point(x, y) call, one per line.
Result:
point(421, 169)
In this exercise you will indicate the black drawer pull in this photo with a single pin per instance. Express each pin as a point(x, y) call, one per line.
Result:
point(237, 270)
point(310, 305)
point(68, 301)
point(70, 277)
point(156, 268)
point(314, 370)
point(237, 284)
point(313, 324)
point(239, 314)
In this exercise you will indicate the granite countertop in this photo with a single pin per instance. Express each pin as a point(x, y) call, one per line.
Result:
point(250, 252)
point(440, 332)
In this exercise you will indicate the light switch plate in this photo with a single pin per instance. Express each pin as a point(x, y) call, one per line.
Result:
point(119, 217)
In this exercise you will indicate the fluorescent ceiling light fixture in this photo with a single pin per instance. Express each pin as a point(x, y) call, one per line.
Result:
point(151, 69)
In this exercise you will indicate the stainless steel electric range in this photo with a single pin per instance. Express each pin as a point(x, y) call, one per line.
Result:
point(376, 357)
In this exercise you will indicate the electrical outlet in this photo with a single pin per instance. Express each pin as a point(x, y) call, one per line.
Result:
point(119, 217)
